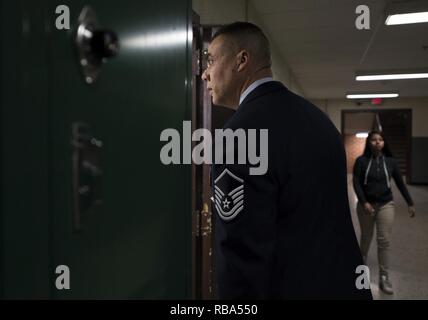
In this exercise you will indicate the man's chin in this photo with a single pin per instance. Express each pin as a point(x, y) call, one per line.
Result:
point(216, 101)
point(223, 103)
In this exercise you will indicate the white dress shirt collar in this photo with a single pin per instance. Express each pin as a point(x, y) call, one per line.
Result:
point(252, 86)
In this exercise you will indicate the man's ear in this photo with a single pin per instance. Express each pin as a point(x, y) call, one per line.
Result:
point(243, 60)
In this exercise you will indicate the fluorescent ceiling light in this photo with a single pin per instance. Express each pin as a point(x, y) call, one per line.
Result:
point(396, 76)
point(362, 135)
point(406, 11)
point(371, 95)
point(406, 18)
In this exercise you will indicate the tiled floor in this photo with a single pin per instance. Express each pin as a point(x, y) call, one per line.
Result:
point(409, 246)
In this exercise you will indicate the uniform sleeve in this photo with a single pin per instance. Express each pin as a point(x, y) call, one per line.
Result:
point(357, 181)
point(396, 174)
point(246, 207)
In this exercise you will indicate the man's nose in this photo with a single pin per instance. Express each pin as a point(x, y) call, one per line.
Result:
point(205, 75)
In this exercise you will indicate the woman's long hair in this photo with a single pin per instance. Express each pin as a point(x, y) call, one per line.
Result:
point(368, 151)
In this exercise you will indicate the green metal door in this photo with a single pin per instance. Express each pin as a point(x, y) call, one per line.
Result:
point(135, 241)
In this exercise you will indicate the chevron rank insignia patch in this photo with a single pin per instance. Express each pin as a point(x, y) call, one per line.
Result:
point(229, 195)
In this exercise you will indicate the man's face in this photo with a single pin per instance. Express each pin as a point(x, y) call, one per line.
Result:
point(221, 75)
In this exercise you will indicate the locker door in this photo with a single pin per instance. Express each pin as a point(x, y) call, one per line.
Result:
point(24, 170)
point(131, 237)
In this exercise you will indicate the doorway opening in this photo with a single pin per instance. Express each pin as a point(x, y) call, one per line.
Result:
point(211, 117)
point(396, 124)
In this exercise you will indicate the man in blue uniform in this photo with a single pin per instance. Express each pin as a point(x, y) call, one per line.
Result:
point(286, 233)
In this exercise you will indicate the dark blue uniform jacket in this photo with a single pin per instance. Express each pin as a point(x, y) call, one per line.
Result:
point(287, 233)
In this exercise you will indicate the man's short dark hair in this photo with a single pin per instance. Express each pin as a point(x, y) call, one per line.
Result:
point(245, 35)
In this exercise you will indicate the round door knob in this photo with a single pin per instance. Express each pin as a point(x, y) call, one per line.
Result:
point(105, 43)
point(94, 45)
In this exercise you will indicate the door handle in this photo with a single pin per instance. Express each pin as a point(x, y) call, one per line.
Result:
point(87, 172)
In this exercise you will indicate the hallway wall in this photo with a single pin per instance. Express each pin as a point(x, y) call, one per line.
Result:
point(354, 148)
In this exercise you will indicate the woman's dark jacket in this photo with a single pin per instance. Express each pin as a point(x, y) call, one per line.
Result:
point(372, 184)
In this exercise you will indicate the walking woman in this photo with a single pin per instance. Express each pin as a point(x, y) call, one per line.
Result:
point(372, 183)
